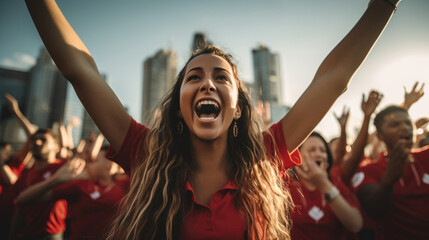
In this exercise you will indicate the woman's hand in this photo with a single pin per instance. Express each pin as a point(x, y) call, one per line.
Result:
point(71, 170)
point(312, 172)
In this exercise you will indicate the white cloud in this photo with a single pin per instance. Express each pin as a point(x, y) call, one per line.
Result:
point(18, 61)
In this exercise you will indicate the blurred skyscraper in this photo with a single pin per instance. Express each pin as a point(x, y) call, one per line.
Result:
point(45, 97)
point(200, 41)
point(267, 78)
point(267, 85)
point(159, 73)
point(15, 83)
point(47, 92)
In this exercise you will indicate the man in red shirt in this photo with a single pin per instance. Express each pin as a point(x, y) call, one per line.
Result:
point(395, 190)
point(43, 221)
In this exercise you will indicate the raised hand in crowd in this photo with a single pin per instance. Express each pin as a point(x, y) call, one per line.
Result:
point(12, 169)
point(338, 146)
point(74, 122)
point(413, 95)
point(29, 128)
point(368, 106)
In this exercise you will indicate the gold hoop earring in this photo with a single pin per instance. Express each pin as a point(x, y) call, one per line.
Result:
point(235, 130)
point(180, 127)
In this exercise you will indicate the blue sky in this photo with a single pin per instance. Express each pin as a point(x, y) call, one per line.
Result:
point(121, 34)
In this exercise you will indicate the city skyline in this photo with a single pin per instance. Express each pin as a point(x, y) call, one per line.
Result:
point(302, 33)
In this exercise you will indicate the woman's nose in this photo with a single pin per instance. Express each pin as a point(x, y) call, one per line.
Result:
point(207, 85)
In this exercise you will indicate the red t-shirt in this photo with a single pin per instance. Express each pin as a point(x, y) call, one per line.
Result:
point(7, 196)
point(408, 215)
point(336, 175)
point(220, 219)
point(92, 206)
point(312, 216)
point(44, 218)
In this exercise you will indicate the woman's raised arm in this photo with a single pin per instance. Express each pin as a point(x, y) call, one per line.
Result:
point(77, 65)
point(335, 72)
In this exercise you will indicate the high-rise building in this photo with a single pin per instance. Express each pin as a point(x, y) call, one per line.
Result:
point(267, 78)
point(267, 85)
point(13, 82)
point(200, 41)
point(159, 74)
point(47, 92)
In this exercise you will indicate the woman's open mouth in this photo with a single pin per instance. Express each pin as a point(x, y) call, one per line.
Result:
point(207, 109)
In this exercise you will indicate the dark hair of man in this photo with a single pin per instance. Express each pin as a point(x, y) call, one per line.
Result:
point(379, 118)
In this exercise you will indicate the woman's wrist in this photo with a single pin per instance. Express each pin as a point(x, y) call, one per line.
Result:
point(331, 195)
point(325, 185)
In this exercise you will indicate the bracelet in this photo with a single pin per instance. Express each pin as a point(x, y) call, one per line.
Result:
point(332, 194)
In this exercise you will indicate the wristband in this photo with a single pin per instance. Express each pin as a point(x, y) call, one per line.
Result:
point(332, 194)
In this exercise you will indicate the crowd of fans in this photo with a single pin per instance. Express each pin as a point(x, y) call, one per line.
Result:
point(207, 167)
point(380, 183)
point(51, 188)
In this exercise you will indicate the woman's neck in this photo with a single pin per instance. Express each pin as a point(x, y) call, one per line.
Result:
point(209, 156)
point(211, 168)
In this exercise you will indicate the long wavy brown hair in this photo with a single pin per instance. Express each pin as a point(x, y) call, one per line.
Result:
point(155, 206)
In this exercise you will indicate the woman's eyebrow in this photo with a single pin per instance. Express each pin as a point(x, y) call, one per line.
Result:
point(195, 69)
point(218, 69)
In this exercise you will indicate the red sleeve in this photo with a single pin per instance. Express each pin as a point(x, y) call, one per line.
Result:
point(67, 191)
point(16, 166)
point(368, 174)
point(130, 148)
point(289, 160)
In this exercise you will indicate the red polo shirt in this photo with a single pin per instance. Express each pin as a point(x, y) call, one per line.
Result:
point(220, 219)
point(408, 215)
